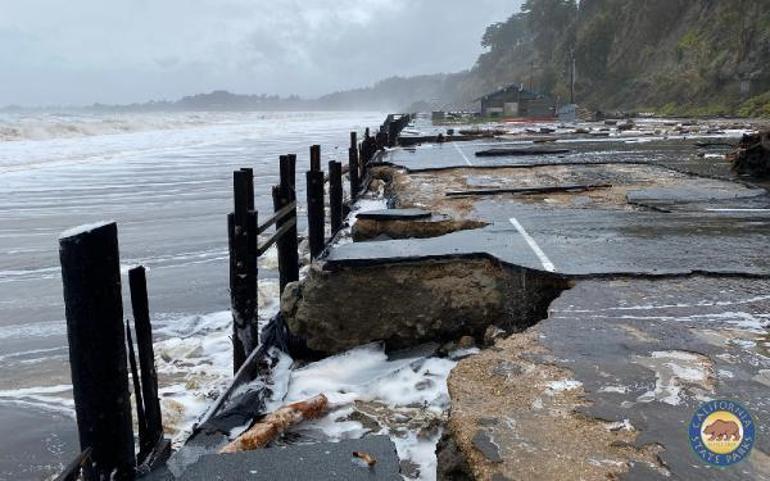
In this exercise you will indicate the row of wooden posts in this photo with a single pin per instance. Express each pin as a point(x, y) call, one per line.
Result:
point(244, 228)
point(101, 346)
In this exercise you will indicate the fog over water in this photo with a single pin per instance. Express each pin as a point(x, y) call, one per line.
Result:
point(122, 51)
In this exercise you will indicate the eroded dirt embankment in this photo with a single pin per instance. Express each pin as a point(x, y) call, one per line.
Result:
point(407, 303)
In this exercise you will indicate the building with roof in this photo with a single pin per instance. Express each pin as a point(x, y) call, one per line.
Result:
point(517, 101)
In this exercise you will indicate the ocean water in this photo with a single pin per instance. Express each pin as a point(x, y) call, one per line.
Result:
point(166, 178)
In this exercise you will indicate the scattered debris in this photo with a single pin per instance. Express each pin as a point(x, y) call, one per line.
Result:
point(260, 434)
point(365, 457)
point(752, 157)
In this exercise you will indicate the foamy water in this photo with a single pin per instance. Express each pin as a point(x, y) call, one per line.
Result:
point(166, 179)
point(406, 399)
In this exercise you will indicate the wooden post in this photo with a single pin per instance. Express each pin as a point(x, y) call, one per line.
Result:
point(288, 250)
point(249, 174)
point(315, 212)
point(288, 170)
point(315, 157)
point(355, 185)
point(392, 134)
point(94, 310)
point(137, 280)
point(335, 195)
point(242, 233)
point(354, 145)
point(141, 419)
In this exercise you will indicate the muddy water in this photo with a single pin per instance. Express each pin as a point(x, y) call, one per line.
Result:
point(166, 180)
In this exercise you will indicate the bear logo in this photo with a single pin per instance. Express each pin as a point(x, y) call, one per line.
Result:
point(721, 430)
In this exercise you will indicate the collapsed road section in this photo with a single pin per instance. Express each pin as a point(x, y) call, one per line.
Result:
point(547, 314)
point(620, 284)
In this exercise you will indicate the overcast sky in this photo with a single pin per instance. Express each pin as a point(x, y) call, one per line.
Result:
point(118, 51)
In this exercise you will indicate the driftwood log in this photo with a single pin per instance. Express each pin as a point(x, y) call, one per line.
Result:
point(260, 434)
point(752, 157)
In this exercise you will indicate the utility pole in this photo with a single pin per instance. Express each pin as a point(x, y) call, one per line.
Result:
point(532, 75)
point(572, 76)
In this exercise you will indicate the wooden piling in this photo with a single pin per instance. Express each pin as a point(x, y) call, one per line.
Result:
point(315, 158)
point(355, 184)
point(249, 175)
point(315, 212)
point(97, 350)
point(335, 195)
point(137, 280)
point(287, 245)
point(288, 171)
point(141, 419)
point(393, 134)
point(242, 233)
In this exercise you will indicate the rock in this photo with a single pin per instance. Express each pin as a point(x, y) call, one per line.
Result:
point(290, 296)
point(376, 185)
point(452, 464)
point(368, 422)
point(466, 342)
point(484, 443)
point(507, 369)
point(447, 348)
point(492, 334)
point(409, 469)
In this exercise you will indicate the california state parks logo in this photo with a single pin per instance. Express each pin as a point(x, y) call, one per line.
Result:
point(722, 432)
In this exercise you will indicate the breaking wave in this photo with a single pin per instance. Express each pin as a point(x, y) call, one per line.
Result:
point(56, 126)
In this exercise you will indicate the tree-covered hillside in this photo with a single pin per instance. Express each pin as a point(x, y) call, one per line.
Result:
point(669, 56)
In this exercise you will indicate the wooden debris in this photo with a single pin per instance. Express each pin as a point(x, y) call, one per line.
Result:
point(752, 157)
point(365, 457)
point(260, 434)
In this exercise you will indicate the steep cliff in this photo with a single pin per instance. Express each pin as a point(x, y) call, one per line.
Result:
point(699, 57)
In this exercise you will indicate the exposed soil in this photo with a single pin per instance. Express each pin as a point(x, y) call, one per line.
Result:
point(406, 304)
point(512, 400)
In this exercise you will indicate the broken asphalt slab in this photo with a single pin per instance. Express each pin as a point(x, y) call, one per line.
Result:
point(319, 462)
point(581, 242)
point(605, 387)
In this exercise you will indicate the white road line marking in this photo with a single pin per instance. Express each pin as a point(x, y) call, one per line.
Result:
point(467, 160)
point(547, 264)
point(738, 210)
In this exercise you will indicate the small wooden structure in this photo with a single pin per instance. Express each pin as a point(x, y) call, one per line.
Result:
point(517, 101)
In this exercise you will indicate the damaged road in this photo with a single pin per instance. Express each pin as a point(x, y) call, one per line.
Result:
point(606, 386)
point(618, 309)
